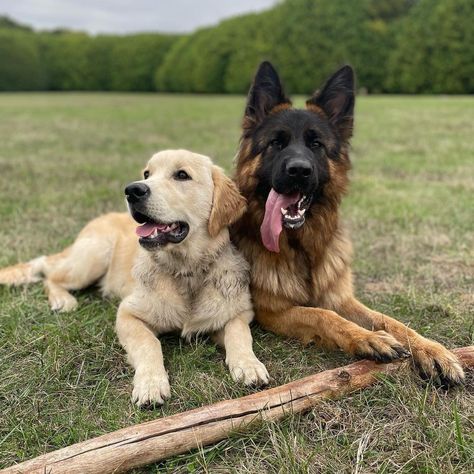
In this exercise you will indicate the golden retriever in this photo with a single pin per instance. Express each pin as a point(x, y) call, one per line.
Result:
point(181, 274)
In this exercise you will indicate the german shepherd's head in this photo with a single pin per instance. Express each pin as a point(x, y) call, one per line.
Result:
point(292, 164)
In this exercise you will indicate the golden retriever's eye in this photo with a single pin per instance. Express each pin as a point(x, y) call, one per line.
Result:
point(146, 174)
point(181, 175)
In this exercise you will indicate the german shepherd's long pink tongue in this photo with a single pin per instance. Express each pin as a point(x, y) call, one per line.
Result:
point(272, 226)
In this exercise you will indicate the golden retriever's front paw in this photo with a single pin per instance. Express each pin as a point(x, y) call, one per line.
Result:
point(150, 387)
point(63, 302)
point(436, 362)
point(248, 370)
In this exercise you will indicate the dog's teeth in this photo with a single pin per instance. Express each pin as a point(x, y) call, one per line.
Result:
point(300, 202)
point(284, 211)
point(301, 212)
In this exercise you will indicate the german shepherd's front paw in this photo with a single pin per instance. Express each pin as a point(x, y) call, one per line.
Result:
point(437, 363)
point(150, 388)
point(248, 370)
point(379, 346)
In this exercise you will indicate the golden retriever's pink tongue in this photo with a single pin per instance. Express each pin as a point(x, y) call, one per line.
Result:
point(148, 228)
point(272, 226)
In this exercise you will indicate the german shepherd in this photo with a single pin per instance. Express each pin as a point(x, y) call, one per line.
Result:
point(292, 166)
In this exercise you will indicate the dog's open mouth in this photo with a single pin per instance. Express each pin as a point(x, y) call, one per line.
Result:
point(293, 216)
point(153, 234)
point(286, 210)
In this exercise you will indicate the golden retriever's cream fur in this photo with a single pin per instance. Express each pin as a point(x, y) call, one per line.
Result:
point(200, 285)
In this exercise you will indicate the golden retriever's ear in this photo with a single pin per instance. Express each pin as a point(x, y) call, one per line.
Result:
point(228, 205)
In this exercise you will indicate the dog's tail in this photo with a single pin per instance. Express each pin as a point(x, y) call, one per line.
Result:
point(28, 272)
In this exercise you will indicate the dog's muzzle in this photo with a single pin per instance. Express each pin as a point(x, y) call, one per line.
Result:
point(296, 173)
point(152, 232)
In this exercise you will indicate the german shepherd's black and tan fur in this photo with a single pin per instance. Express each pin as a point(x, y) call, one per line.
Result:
point(292, 167)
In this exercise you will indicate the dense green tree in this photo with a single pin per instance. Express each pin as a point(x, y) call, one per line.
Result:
point(76, 61)
point(198, 63)
point(7, 22)
point(389, 10)
point(218, 59)
point(434, 50)
point(20, 64)
point(99, 58)
point(67, 58)
point(253, 39)
point(306, 39)
point(134, 60)
point(395, 46)
point(315, 37)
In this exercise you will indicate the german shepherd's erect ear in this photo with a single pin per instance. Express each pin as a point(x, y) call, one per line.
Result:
point(265, 94)
point(337, 99)
point(228, 205)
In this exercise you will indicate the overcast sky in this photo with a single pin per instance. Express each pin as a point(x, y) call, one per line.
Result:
point(123, 16)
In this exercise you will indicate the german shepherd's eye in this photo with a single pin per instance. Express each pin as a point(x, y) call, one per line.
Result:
point(276, 143)
point(280, 141)
point(312, 140)
point(181, 175)
point(146, 174)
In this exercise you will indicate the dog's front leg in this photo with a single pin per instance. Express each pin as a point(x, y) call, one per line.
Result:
point(236, 339)
point(332, 331)
point(150, 383)
point(432, 359)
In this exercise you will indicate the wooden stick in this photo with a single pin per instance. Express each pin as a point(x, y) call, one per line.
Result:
point(159, 439)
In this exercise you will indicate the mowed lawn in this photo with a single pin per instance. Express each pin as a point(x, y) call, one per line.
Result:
point(64, 159)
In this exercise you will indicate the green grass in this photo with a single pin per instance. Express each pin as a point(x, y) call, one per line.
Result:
point(66, 158)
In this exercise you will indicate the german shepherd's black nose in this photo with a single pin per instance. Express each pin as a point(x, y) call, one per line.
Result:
point(136, 192)
point(298, 169)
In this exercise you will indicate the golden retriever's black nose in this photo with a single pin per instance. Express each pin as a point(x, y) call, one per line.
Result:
point(298, 169)
point(136, 192)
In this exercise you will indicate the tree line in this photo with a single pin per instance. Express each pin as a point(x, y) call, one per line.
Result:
point(396, 46)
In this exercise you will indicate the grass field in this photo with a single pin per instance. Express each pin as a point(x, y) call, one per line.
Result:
point(63, 377)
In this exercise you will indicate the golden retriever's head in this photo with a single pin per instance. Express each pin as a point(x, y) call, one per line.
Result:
point(182, 194)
